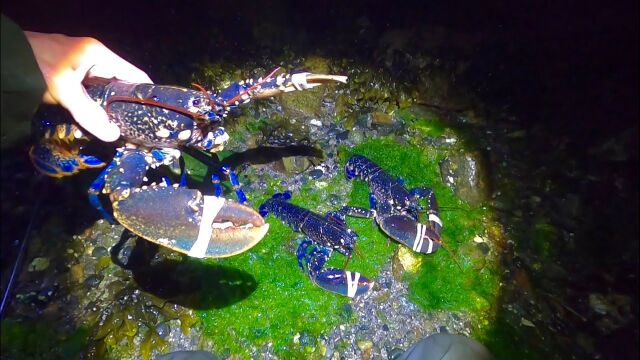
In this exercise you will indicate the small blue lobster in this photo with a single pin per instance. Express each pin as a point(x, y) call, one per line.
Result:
point(395, 208)
point(325, 234)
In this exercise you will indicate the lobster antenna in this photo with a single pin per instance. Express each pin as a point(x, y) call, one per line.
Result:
point(451, 254)
point(347, 262)
point(254, 86)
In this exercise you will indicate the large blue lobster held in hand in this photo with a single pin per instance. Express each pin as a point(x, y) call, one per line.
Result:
point(395, 208)
point(325, 234)
point(155, 121)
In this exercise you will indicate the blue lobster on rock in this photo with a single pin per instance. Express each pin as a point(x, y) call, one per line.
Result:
point(325, 234)
point(155, 121)
point(395, 208)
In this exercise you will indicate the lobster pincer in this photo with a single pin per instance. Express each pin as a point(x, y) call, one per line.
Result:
point(324, 236)
point(395, 208)
point(174, 216)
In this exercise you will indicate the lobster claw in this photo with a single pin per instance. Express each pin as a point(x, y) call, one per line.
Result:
point(284, 83)
point(343, 282)
point(188, 222)
point(404, 229)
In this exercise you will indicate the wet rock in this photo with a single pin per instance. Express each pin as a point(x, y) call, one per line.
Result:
point(365, 346)
point(484, 248)
point(464, 173)
point(394, 353)
point(614, 310)
point(295, 164)
point(405, 261)
point(356, 136)
point(99, 251)
point(344, 135)
point(315, 173)
point(471, 251)
point(93, 280)
point(380, 118)
point(306, 339)
point(38, 264)
point(77, 272)
point(163, 330)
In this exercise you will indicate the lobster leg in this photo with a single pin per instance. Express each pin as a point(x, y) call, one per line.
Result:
point(358, 212)
point(237, 187)
point(126, 170)
point(339, 281)
point(58, 153)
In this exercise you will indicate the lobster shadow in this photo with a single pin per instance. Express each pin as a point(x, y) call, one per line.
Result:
point(254, 156)
point(186, 282)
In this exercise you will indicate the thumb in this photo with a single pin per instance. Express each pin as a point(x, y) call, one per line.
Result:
point(91, 116)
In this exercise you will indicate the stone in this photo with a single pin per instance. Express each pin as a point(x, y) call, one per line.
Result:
point(405, 261)
point(39, 264)
point(464, 173)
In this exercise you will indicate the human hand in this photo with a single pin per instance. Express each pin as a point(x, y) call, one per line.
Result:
point(65, 61)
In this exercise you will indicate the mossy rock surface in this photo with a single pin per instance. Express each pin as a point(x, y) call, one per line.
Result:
point(286, 303)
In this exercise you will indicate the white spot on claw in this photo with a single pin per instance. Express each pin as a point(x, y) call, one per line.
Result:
point(163, 133)
point(184, 134)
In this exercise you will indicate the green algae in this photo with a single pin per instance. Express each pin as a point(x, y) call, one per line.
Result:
point(286, 304)
point(448, 280)
point(427, 122)
point(38, 340)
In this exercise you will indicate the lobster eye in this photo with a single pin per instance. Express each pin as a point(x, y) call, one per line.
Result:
point(196, 102)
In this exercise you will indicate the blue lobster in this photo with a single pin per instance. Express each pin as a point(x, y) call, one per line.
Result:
point(155, 121)
point(325, 234)
point(395, 208)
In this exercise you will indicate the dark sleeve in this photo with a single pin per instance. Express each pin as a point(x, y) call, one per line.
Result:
point(22, 84)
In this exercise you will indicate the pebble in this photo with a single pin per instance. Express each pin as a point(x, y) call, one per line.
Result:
point(315, 173)
point(163, 330)
point(39, 264)
point(99, 251)
point(92, 280)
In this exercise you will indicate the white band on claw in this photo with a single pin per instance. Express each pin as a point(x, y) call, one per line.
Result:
point(352, 285)
point(299, 81)
point(210, 208)
point(435, 218)
point(419, 240)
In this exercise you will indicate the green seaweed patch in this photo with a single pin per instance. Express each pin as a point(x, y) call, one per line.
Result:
point(448, 280)
point(428, 123)
point(286, 307)
point(38, 340)
point(285, 302)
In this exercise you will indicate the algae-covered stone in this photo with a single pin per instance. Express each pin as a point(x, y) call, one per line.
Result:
point(365, 346)
point(292, 165)
point(405, 261)
point(473, 254)
point(380, 118)
point(464, 173)
point(39, 264)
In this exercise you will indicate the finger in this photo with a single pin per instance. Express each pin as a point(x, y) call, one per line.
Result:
point(85, 111)
point(98, 61)
point(102, 62)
